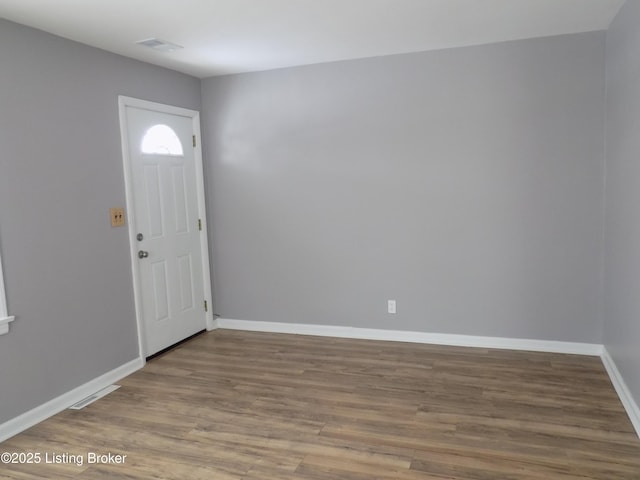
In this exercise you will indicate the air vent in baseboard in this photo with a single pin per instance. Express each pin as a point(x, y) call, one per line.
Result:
point(93, 397)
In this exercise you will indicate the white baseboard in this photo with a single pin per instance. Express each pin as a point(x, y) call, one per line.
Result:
point(414, 337)
point(64, 401)
point(622, 390)
point(213, 325)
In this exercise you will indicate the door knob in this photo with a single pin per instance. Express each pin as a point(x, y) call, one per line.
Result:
point(142, 254)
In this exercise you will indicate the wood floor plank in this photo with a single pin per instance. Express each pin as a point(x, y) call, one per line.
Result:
point(234, 405)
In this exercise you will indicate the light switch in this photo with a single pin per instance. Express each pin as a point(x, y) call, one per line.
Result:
point(117, 216)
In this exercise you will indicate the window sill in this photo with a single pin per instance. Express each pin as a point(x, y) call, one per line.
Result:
point(4, 324)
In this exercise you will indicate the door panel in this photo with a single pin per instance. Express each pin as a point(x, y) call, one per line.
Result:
point(186, 283)
point(181, 201)
point(166, 214)
point(160, 291)
point(154, 200)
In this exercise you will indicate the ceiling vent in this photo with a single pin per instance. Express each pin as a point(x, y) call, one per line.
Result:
point(159, 45)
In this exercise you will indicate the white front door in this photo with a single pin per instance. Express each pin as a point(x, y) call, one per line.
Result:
point(167, 226)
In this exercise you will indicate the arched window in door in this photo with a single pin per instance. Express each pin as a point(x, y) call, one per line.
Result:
point(162, 140)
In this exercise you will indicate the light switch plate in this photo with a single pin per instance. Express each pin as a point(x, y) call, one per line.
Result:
point(117, 216)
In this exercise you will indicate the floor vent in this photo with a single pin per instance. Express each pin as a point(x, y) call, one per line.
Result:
point(93, 397)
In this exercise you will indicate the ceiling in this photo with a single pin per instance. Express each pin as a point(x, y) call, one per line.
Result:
point(231, 36)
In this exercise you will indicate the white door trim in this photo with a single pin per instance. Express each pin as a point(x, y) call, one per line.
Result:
point(5, 319)
point(123, 103)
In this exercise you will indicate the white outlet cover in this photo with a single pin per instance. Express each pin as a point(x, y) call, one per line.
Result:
point(391, 306)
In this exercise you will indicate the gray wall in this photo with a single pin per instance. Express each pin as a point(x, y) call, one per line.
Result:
point(622, 297)
point(465, 183)
point(67, 271)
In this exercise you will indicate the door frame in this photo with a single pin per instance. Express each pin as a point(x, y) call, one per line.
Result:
point(123, 103)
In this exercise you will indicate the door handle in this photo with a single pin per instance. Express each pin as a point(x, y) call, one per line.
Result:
point(142, 254)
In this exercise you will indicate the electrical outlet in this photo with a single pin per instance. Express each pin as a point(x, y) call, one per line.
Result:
point(117, 216)
point(391, 306)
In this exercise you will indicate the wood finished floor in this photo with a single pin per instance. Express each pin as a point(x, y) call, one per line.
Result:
point(256, 406)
